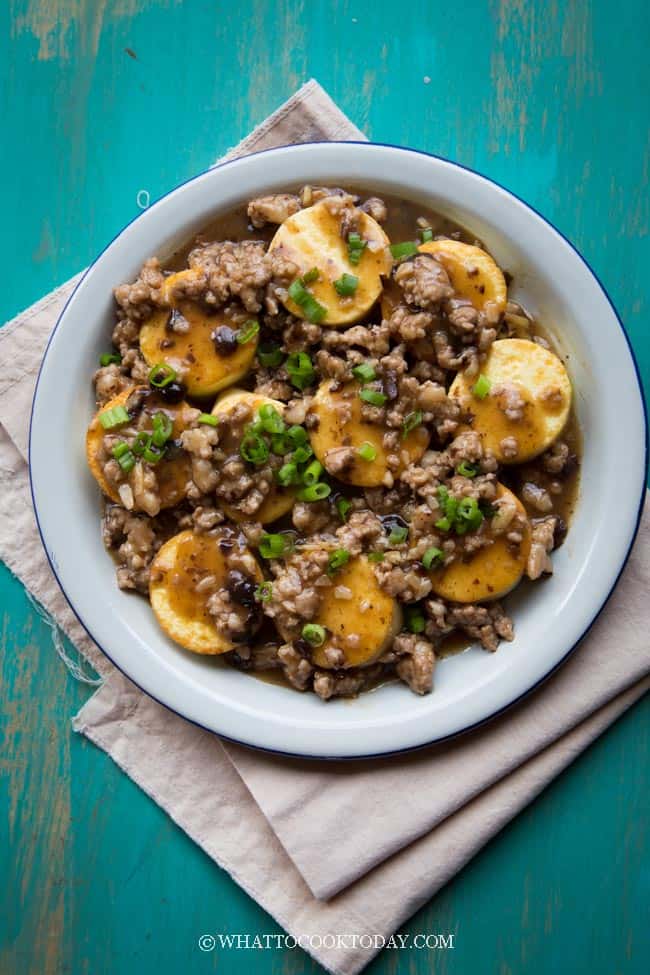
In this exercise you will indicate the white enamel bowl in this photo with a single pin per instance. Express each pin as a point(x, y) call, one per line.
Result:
point(552, 280)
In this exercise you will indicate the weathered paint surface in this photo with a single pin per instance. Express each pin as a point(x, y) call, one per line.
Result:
point(100, 100)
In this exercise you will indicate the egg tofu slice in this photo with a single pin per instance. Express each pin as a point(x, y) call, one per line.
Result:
point(340, 425)
point(193, 354)
point(491, 572)
point(473, 273)
point(541, 379)
point(311, 238)
point(173, 475)
point(279, 500)
point(181, 611)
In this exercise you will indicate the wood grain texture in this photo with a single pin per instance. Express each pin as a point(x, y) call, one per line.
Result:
point(102, 99)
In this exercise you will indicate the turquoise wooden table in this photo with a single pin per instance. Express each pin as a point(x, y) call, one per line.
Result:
point(103, 99)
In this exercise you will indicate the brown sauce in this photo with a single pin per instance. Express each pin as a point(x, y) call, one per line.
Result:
point(197, 558)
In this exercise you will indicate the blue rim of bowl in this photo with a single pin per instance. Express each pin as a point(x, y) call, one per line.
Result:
point(542, 680)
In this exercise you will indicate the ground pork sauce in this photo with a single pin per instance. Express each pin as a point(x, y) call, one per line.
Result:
point(346, 470)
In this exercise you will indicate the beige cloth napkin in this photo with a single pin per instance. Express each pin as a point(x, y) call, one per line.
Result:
point(327, 849)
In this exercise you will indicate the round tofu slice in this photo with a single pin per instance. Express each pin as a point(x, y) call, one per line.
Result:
point(473, 273)
point(193, 354)
point(341, 426)
point(491, 572)
point(279, 500)
point(178, 568)
point(311, 238)
point(541, 380)
point(172, 474)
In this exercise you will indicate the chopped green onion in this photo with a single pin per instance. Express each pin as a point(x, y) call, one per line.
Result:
point(302, 454)
point(125, 458)
point(311, 276)
point(337, 560)
point(300, 369)
point(372, 396)
point(314, 634)
point(314, 312)
point(443, 524)
point(109, 359)
point(288, 474)
point(481, 387)
point(209, 419)
point(346, 285)
point(367, 452)
point(411, 421)
point(274, 546)
point(364, 372)
point(466, 469)
point(297, 435)
point(152, 453)
point(270, 419)
point(312, 473)
point(343, 506)
point(406, 249)
point(415, 621)
point(356, 247)
point(161, 375)
point(248, 331)
point(432, 555)
point(120, 449)
point(141, 442)
point(427, 234)
point(254, 448)
point(114, 417)
point(162, 429)
point(269, 354)
point(398, 535)
point(375, 556)
point(469, 512)
point(298, 291)
point(263, 592)
point(315, 492)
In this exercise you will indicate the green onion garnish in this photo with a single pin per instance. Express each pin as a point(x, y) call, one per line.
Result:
point(263, 592)
point(426, 234)
point(346, 285)
point(406, 249)
point(254, 448)
point(161, 375)
point(248, 331)
point(466, 469)
point(343, 506)
point(469, 512)
point(398, 535)
point(269, 354)
point(302, 454)
point(297, 435)
point(152, 453)
point(120, 449)
point(314, 633)
point(162, 429)
point(315, 492)
point(375, 556)
point(415, 621)
point(124, 456)
point(312, 473)
point(288, 474)
point(274, 546)
point(114, 417)
point(300, 369)
point(280, 444)
point(462, 515)
point(443, 524)
point(109, 359)
point(270, 419)
point(364, 372)
point(432, 555)
point(411, 421)
point(356, 247)
point(209, 419)
point(314, 312)
point(481, 387)
point(140, 444)
point(311, 276)
point(372, 396)
point(337, 560)
point(367, 452)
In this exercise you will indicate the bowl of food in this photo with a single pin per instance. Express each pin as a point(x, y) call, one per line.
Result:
point(354, 449)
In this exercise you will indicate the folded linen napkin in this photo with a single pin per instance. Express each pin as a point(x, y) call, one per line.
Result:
point(261, 817)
